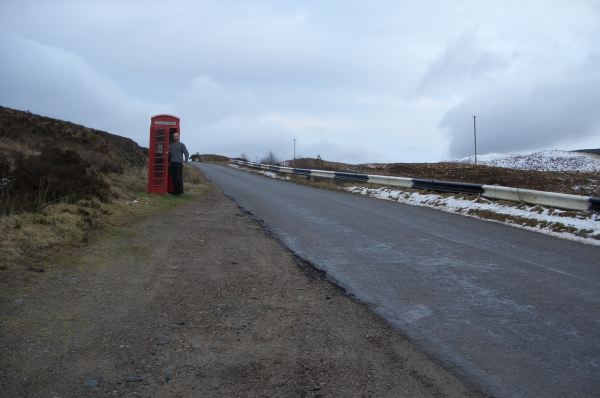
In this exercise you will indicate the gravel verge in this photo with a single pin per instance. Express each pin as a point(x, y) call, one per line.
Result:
point(200, 301)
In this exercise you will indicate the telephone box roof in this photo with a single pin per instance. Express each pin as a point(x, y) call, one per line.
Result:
point(164, 115)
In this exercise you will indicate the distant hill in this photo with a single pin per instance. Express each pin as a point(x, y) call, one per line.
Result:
point(316, 163)
point(592, 151)
point(209, 158)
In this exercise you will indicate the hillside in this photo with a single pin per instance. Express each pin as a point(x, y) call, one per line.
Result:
point(579, 161)
point(26, 134)
point(43, 160)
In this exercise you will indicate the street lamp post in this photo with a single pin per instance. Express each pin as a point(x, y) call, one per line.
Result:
point(294, 151)
point(475, 135)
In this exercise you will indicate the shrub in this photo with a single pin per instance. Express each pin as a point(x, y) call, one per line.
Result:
point(270, 158)
point(4, 173)
point(50, 176)
point(4, 168)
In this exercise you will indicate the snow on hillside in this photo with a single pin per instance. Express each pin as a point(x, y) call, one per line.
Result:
point(542, 161)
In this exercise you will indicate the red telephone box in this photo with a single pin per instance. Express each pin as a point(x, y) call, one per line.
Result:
point(162, 128)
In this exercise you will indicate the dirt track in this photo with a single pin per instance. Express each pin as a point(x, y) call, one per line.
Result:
point(199, 302)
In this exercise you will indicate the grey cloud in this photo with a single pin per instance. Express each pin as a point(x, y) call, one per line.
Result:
point(206, 101)
point(263, 44)
point(463, 62)
point(562, 110)
point(59, 84)
point(249, 75)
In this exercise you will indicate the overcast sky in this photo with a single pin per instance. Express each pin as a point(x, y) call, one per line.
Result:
point(355, 81)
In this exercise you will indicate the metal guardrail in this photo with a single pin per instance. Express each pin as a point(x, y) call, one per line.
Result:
point(552, 199)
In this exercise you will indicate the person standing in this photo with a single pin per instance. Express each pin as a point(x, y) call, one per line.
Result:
point(177, 151)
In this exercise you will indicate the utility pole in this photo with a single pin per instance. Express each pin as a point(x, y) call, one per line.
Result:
point(475, 135)
point(294, 151)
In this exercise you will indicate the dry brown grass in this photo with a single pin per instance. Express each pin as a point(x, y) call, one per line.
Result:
point(29, 239)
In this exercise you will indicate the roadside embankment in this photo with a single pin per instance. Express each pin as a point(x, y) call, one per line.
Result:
point(579, 225)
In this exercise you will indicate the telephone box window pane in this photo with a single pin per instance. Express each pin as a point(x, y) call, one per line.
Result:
point(159, 161)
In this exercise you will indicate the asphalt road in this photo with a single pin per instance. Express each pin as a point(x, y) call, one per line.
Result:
point(513, 311)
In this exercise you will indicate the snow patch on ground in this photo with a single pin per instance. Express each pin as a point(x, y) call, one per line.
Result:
point(580, 226)
point(271, 174)
point(541, 161)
